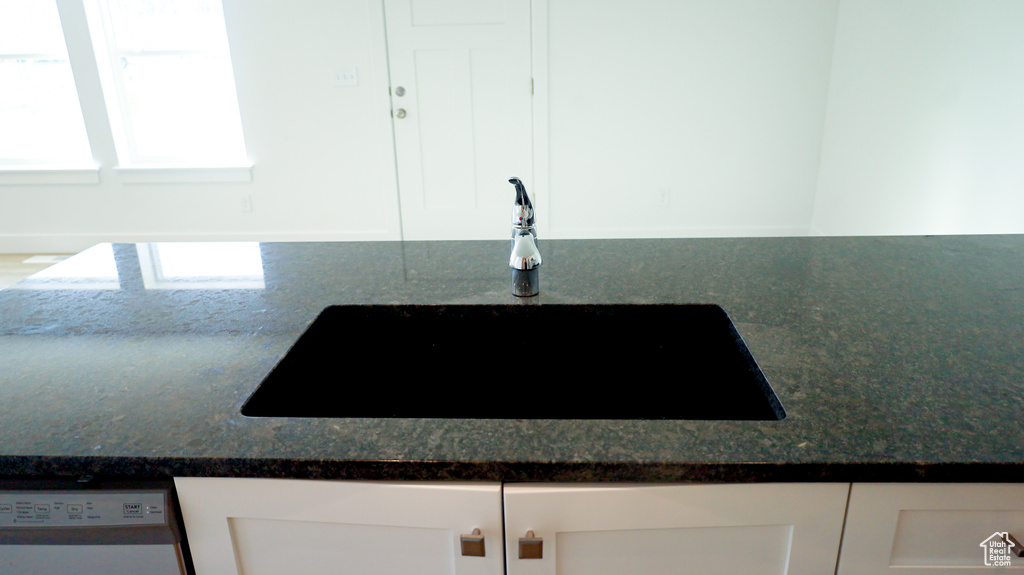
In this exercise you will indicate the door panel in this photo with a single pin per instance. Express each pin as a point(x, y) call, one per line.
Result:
point(465, 72)
point(457, 12)
point(278, 527)
point(930, 529)
point(271, 546)
point(707, 550)
point(676, 529)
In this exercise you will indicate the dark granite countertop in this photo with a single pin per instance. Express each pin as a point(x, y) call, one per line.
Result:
point(897, 359)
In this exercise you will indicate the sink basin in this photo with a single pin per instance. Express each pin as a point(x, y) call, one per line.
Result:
point(518, 362)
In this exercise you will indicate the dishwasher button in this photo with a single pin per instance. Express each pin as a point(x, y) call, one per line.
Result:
point(74, 509)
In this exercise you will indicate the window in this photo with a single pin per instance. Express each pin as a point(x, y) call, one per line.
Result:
point(167, 87)
point(167, 81)
point(41, 121)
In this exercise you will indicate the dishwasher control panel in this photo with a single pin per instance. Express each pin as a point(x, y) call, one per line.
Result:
point(22, 509)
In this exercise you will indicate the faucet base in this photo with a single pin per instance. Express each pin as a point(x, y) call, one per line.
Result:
point(525, 283)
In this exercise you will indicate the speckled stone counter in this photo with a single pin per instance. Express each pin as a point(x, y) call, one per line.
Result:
point(897, 359)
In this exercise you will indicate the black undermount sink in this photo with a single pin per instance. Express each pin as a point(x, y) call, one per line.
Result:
point(519, 362)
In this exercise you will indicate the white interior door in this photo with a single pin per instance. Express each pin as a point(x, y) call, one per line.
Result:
point(461, 93)
point(281, 527)
point(783, 529)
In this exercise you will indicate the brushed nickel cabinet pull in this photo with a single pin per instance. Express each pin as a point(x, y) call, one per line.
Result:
point(473, 544)
point(531, 547)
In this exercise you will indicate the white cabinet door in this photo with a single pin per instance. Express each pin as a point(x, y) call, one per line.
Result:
point(930, 529)
point(273, 526)
point(789, 529)
point(461, 97)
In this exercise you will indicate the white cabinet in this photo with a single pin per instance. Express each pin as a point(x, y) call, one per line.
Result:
point(679, 529)
point(932, 529)
point(263, 526)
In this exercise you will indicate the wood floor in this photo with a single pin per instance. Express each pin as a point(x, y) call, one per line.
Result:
point(16, 267)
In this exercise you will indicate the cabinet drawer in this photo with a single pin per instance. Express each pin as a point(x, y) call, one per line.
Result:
point(930, 528)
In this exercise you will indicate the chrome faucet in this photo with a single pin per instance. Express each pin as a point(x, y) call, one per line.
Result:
point(525, 259)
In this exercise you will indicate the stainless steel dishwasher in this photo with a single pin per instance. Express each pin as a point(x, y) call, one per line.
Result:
point(88, 526)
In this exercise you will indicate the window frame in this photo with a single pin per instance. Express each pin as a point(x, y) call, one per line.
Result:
point(91, 59)
point(81, 170)
point(132, 167)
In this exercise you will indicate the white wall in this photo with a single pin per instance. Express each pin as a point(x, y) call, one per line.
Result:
point(925, 126)
point(721, 104)
point(758, 117)
point(323, 163)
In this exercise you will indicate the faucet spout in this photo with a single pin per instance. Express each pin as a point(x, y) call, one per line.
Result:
point(525, 259)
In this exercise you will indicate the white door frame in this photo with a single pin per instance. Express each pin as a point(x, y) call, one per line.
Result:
point(540, 194)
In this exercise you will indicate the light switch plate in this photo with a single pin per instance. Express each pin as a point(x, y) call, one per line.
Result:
point(345, 76)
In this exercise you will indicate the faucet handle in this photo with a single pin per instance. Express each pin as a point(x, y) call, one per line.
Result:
point(522, 216)
point(522, 210)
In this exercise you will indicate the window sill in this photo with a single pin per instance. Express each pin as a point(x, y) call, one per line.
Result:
point(157, 174)
point(42, 175)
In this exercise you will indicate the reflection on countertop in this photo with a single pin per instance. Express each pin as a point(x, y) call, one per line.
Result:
point(170, 265)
